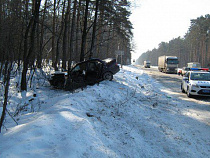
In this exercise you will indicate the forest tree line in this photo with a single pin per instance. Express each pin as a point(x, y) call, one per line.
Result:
point(194, 47)
point(58, 32)
point(62, 30)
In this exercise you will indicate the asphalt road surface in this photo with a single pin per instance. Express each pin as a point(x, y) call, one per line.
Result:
point(173, 83)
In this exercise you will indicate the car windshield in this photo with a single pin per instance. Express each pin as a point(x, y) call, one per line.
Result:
point(200, 76)
point(172, 61)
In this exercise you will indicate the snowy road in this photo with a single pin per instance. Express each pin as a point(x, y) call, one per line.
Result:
point(172, 82)
point(133, 116)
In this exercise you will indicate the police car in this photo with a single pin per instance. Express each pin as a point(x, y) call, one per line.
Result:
point(196, 83)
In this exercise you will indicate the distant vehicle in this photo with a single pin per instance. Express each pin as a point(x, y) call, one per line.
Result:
point(185, 70)
point(147, 64)
point(190, 66)
point(194, 65)
point(168, 64)
point(196, 83)
point(85, 73)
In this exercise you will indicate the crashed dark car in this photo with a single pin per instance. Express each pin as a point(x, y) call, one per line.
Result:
point(85, 73)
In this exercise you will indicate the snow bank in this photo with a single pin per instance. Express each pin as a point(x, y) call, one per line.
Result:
point(129, 117)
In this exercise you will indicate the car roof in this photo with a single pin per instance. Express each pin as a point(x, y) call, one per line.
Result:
point(107, 60)
point(193, 63)
point(199, 71)
point(89, 60)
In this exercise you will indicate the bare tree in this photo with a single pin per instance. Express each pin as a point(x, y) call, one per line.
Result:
point(41, 38)
point(94, 29)
point(77, 32)
point(65, 38)
point(28, 52)
point(59, 37)
point(72, 34)
point(84, 33)
point(7, 69)
point(53, 35)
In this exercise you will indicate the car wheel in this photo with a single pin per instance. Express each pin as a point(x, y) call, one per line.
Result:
point(108, 76)
point(183, 91)
point(188, 93)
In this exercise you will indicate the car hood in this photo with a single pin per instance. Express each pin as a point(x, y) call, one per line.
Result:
point(201, 83)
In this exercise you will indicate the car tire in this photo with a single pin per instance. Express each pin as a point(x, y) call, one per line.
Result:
point(108, 76)
point(188, 93)
point(183, 91)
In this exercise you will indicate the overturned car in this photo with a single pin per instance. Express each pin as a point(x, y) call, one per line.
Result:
point(85, 73)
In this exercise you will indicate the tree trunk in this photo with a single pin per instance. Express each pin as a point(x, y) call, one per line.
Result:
point(72, 34)
point(32, 26)
point(94, 30)
point(84, 34)
point(1, 18)
point(58, 39)
point(77, 30)
point(65, 39)
point(39, 56)
point(7, 82)
point(54, 63)
point(25, 58)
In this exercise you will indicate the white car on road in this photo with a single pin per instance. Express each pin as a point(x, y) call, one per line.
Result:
point(196, 83)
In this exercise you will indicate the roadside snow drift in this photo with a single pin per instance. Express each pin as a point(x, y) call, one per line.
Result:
point(132, 116)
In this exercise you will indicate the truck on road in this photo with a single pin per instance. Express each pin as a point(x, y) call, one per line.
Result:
point(168, 64)
point(147, 64)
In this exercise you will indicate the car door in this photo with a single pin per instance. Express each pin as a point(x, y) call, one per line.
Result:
point(185, 81)
point(78, 73)
point(93, 71)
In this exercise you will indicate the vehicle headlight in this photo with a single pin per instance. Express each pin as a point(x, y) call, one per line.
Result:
point(195, 85)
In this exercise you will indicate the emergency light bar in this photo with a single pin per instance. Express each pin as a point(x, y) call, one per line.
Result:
point(196, 69)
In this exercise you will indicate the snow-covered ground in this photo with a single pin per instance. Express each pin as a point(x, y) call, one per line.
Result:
point(132, 116)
